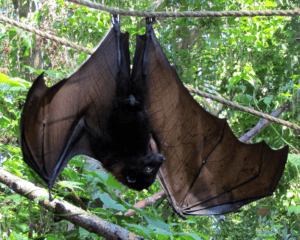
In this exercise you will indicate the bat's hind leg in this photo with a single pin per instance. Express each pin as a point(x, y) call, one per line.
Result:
point(138, 84)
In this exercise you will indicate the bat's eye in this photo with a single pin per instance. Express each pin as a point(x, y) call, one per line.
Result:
point(149, 169)
point(131, 180)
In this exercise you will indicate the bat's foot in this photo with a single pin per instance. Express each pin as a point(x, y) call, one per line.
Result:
point(117, 26)
point(50, 189)
point(50, 196)
point(132, 101)
point(115, 19)
point(116, 23)
point(150, 21)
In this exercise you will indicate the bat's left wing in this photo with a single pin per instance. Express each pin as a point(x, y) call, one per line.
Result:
point(70, 118)
point(207, 169)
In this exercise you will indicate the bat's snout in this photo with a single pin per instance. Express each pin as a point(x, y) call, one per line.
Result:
point(161, 158)
point(157, 158)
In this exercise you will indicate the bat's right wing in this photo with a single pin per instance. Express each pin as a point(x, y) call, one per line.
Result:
point(69, 118)
point(207, 170)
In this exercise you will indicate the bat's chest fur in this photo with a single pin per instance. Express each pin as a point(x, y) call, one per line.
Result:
point(128, 125)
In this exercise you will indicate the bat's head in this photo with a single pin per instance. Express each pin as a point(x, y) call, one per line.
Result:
point(142, 175)
point(137, 173)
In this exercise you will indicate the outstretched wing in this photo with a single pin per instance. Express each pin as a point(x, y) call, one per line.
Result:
point(207, 170)
point(67, 119)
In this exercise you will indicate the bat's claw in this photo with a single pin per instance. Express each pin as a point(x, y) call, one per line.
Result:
point(50, 196)
point(115, 19)
point(150, 20)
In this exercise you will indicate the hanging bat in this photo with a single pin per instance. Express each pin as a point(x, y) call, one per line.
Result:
point(98, 111)
point(207, 170)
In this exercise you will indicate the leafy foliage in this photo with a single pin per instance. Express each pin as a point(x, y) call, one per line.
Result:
point(252, 61)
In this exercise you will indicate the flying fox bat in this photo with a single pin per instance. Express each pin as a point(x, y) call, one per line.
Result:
point(99, 111)
point(207, 171)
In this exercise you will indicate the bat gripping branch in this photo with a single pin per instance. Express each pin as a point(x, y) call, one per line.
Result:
point(117, 26)
point(149, 22)
point(115, 19)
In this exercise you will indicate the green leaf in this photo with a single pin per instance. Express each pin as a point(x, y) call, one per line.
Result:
point(3, 121)
point(12, 82)
point(269, 3)
point(83, 233)
point(286, 94)
point(268, 99)
point(244, 98)
point(21, 81)
point(51, 237)
point(111, 181)
point(82, 57)
point(31, 69)
point(16, 89)
point(27, 40)
point(157, 225)
point(278, 226)
point(17, 198)
point(103, 175)
point(23, 227)
point(4, 87)
point(145, 230)
point(17, 236)
point(71, 184)
point(294, 209)
point(294, 159)
point(3, 78)
point(235, 78)
point(284, 46)
point(52, 74)
point(193, 236)
point(110, 202)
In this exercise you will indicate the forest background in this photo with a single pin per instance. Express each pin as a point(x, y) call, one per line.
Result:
point(252, 61)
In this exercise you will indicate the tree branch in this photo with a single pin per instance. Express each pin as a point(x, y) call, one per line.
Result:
point(146, 202)
point(66, 210)
point(262, 124)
